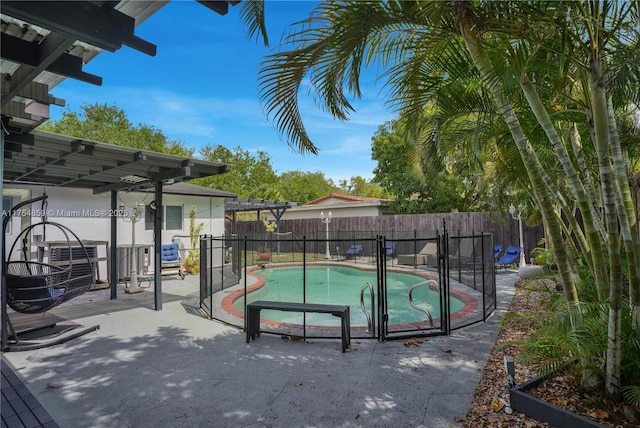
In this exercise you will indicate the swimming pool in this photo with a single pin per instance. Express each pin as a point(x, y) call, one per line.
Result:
point(340, 284)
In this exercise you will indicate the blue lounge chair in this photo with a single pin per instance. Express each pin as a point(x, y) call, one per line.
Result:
point(509, 257)
point(353, 251)
point(390, 249)
point(496, 251)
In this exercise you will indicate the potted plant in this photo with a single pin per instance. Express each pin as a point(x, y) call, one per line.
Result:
point(264, 252)
point(192, 261)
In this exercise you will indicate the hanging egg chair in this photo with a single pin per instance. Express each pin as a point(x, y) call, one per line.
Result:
point(34, 286)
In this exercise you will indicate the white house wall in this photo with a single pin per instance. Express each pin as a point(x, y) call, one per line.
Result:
point(87, 215)
point(343, 210)
point(17, 196)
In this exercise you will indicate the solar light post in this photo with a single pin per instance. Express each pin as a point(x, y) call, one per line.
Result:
point(517, 215)
point(510, 368)
point(326, 220)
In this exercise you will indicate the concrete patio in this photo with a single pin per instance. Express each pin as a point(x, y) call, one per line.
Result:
point(145, 368)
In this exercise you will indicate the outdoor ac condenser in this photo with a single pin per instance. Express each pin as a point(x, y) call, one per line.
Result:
point(79, 266)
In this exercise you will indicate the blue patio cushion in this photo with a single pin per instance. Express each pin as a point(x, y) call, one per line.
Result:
point(354, 249)
point(170, 253)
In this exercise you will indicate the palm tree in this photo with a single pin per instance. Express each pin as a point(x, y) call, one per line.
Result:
point(539, 63)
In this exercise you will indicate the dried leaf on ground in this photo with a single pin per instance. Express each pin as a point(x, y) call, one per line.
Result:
point(496, 404)
point(413, 342)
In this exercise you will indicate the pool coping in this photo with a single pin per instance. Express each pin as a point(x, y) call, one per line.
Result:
point(470, 303)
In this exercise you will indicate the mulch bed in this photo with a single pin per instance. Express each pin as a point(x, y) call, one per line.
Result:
point(490, 406)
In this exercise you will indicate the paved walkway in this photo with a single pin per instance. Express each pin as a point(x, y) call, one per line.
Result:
point(145, 368)
point(19, 407)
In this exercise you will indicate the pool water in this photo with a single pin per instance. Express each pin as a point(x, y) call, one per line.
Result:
point(341, 285)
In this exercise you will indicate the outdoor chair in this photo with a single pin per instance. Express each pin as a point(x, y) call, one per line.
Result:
point(466, 255)
point(427, 256)
point(352, 252)
point(509, 257)
point(497, 249)
point(390, 250)
point(171, 261)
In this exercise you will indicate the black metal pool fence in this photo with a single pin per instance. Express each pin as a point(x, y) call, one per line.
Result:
point(459, 265)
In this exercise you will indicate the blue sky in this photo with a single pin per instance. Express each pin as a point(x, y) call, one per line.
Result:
point(201, 88)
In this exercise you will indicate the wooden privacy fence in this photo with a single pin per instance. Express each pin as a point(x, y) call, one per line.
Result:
point(503, 227)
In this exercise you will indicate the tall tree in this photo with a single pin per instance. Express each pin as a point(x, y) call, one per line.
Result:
point(302, 187)
point(360, 186)
point(417, 182)
point(250, 176)
point(109, 124)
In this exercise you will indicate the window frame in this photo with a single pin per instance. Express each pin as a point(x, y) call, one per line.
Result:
point(148, 217)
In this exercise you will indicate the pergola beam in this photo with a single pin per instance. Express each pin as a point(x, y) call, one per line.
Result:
point(35, 91)
point(53, 46)
point(247, 204)
point(184, 171)
point(104, 28)
point(30, 53)
point(59, 160)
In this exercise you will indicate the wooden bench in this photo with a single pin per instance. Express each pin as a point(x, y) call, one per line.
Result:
point(342, 311)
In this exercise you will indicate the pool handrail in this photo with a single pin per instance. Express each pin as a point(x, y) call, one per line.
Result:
point(412, 303)
point(370, 326)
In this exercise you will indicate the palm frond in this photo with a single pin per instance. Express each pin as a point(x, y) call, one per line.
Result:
point(330, 48)
point(252, 14)
point(631, 393)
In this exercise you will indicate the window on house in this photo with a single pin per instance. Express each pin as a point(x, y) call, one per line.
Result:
point(173, 217)
point(148, 218)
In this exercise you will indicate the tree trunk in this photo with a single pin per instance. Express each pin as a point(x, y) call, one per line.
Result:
point(614, 352)
point(593, 250)
point(608, 189)
point(626, 214)
point(531, 163)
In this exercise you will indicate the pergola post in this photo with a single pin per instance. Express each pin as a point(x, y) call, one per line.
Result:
point(157, 248)
point(113, 247)
point(3, 293)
